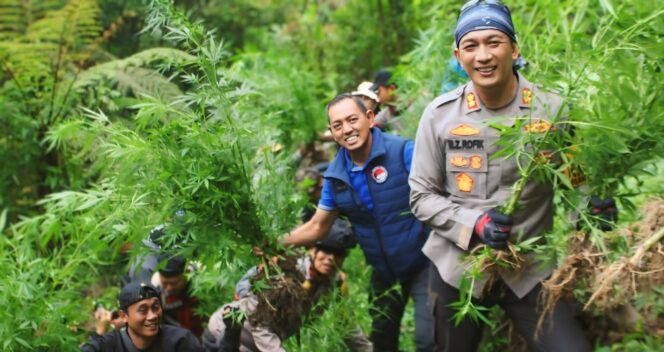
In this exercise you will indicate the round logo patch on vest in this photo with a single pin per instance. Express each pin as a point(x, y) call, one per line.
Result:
point(379, 174)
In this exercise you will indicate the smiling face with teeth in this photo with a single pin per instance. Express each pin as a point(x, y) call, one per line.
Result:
point(351, 128)
point(143, 320)
point(487, 56)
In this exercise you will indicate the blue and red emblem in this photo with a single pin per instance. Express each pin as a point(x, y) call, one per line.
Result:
point(379, 174)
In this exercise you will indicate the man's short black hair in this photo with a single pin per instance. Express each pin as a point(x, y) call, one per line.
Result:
point(343, 96)
point(136, 291)
point(174, 266)
point(383, 78)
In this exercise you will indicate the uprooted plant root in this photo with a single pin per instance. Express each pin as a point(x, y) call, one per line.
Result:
point(612, 284)
point(284, 302)
point(617, 282)
point(509, 259)
point(579, 265)
point(637, 272)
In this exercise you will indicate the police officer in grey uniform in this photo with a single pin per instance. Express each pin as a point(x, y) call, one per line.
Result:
point(457, 187)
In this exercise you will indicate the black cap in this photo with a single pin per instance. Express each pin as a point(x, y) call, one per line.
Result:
point(340, 238)
point(136, 291)
point(174, 266)
point(382, 79)
point(154, 238)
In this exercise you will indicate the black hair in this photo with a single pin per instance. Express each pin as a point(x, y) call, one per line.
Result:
point(174, 266)
point(343, 96)
point(342, 253)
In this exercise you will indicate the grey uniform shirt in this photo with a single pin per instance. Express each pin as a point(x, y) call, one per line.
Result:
point(387, 119)
point(454, 178)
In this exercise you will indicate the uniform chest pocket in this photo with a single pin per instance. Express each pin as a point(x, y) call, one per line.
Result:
point(466, 174)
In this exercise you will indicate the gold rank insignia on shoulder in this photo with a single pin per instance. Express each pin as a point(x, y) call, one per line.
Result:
point(465, 130)
point(539, 126)
point(471, 101)
point(464, 182)
point(526, 96)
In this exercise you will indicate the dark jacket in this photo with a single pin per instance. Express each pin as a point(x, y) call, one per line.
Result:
point(169, 339)
point(180, 310)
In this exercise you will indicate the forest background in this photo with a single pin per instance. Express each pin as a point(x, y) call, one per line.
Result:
point(116, 113)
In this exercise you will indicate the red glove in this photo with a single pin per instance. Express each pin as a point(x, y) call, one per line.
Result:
point(493, 228)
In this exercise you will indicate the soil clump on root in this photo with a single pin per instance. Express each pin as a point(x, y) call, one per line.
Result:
point(490, 263)
point(611, 285)
point(284, 302)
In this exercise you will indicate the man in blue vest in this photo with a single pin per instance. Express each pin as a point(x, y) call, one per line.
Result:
point(368, 183)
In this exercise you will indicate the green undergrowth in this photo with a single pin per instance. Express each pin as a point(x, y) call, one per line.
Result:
point(110, 147)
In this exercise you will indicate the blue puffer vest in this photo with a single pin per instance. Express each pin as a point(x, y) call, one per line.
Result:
point(390, 236)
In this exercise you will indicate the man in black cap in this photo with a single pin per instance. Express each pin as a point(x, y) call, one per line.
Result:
point(387, 118)
point(143, 333)
point(145, 265)
point(178, 302)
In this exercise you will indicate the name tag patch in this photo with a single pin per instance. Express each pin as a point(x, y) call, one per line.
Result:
point(465, 144)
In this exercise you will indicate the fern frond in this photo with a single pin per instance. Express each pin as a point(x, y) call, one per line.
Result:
point(142, 81)
point(56, 31)
point(132, 74)
point(17, 15)
point(75, 25)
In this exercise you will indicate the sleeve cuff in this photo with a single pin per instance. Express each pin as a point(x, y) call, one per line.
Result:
point(468, 220)
point(326, 207)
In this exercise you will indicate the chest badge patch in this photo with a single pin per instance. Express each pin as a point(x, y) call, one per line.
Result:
point(465, 130)
point(539, 126)
point(464, 182)
point(476, 162)
point(459, 161)
point(471, 101)
point(526, 96)
point(379, 174)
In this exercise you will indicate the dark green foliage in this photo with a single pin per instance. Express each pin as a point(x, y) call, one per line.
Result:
point(208, 122)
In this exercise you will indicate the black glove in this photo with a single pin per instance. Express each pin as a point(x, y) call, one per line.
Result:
point(493, 228)
point(231, 339)
point(605, 211)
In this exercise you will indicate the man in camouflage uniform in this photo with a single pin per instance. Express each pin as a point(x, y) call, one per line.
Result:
point(457, 186)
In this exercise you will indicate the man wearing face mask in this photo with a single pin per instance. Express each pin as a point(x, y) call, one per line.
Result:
point(143, 332)
point(458, 185)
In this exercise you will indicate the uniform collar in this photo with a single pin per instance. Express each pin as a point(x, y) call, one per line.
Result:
point(524, 96)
